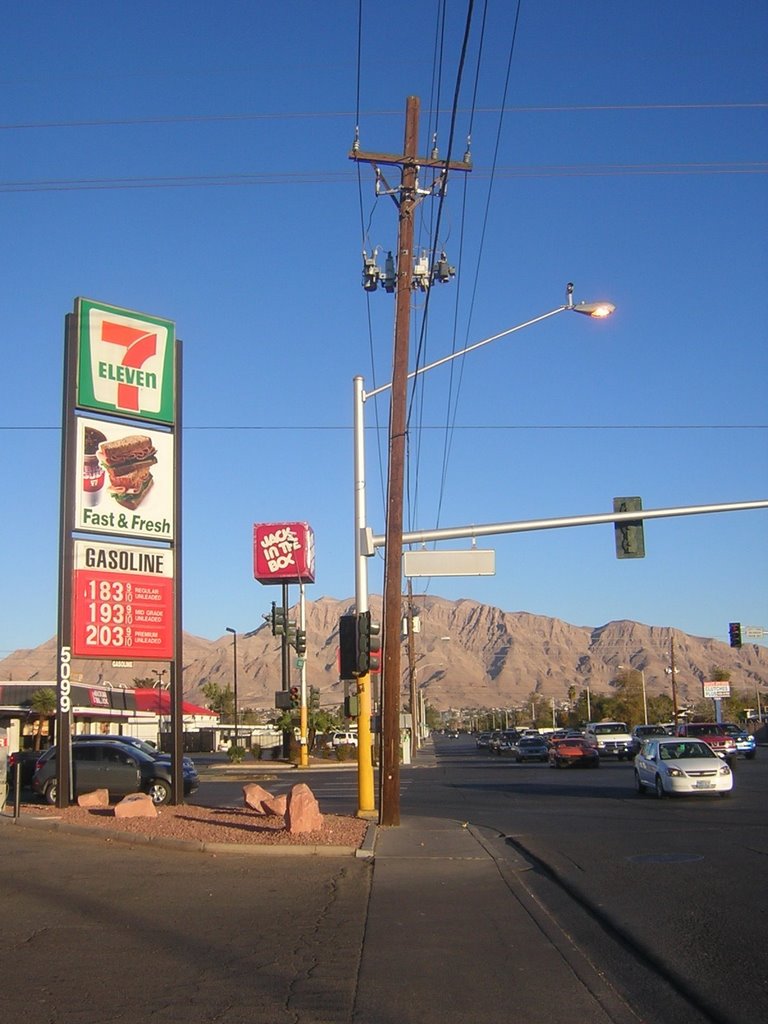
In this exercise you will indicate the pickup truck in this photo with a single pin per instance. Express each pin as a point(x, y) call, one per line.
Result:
point(711, 733)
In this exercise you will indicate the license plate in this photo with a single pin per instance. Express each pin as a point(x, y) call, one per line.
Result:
point(703, 784)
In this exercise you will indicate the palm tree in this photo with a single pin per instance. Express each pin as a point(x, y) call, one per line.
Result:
point(44, 704)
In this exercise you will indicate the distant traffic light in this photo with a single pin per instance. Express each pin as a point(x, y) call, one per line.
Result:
point(628, 534)
point(734, 633)
point(295, 697)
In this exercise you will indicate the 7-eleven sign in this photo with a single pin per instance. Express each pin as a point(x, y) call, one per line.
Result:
point(125, 362)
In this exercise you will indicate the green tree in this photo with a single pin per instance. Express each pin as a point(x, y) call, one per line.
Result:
point(220, 699)
point(627, 703)
point(44, 705)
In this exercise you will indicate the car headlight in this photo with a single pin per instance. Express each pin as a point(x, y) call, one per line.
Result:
point(676, 773)
point(724, 770)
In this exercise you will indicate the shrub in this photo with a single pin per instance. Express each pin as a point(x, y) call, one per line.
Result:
point(236, 754)
point(346, 752)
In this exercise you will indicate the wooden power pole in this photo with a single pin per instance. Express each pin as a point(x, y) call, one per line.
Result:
point(389, 812)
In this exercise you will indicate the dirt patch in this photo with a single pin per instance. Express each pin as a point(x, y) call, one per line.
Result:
point(211, 825)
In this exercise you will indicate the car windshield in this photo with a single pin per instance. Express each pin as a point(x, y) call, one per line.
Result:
point(531, 741)
point(680, 751)
point(610, 728)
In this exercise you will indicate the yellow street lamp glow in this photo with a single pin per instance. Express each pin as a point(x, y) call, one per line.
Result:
point(598, 310)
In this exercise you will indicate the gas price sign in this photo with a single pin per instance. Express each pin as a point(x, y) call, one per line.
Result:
point(123, 602)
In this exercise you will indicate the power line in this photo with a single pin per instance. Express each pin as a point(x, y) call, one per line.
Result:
point(319, 177)
point(441, 427)
point(127, 122)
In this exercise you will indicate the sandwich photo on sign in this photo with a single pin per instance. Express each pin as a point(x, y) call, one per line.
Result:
point(126, 480)
point(129, 461)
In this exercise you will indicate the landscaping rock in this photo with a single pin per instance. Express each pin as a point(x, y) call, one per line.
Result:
point(254, 796)
point(276, 805)
point(303, 811)
point(136, 805)
point(98, 798)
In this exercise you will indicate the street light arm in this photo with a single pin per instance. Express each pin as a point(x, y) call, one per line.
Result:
point(471, 348)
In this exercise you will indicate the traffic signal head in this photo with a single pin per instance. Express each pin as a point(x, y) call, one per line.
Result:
point(301, 642)
point(295, 697)
point(628, 534)
point(374, 646)
point(347, 646)
point(277, 620)
point(734, 634)
point(368, 645)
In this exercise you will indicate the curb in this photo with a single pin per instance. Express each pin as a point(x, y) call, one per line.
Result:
point(364, 851)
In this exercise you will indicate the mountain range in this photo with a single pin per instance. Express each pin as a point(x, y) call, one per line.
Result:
point(467, 655)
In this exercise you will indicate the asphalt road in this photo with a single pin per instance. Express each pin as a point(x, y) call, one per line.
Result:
point(665, 898)
point(678, 885)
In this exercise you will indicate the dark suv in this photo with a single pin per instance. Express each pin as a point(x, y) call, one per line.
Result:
point(113, 766)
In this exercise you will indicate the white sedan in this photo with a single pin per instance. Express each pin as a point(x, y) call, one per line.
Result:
point(673, 765)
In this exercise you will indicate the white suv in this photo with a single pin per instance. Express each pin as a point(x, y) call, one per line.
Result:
point(342, 739)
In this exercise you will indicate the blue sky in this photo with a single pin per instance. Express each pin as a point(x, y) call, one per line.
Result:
point(191, 161)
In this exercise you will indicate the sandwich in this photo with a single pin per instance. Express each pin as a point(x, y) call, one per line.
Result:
point(128, 461)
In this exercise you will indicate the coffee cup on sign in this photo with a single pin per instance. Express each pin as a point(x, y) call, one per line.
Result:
point(93, 471)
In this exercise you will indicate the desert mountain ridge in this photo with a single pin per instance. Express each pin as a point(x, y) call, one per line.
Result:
point(467, 655)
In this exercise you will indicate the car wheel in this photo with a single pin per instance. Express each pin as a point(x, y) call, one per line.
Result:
point(50, 792)
point(659, 786)
point(639, 787)
point(725, 793)
point(160, 791)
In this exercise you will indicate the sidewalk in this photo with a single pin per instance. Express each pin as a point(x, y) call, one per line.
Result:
point(452, 935)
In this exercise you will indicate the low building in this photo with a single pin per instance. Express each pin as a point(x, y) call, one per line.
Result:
point(144, 713)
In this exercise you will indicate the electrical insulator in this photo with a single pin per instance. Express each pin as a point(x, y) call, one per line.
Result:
point(389, 275)
point(442, 270)
point(421, 273)
point(371, 272)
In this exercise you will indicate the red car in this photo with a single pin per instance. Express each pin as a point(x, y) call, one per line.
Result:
point(574, 752)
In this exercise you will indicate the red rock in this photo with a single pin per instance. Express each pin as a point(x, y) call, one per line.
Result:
point(136, 805)
point(254, 796)
point(276, 805)
point(98, 798)
point(303, 811)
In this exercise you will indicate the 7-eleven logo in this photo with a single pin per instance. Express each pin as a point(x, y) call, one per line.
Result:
point(125, 363)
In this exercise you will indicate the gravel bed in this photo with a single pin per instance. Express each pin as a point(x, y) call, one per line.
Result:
point(212, 825)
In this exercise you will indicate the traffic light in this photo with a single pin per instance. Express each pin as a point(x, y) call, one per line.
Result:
point(277, 620)
point(628, 535)
point(734, 633)
point(347, 646)
point(295, 698)
point(368, 644)
point(301, 642)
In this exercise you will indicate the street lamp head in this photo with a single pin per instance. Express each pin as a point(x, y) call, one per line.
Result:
point(597, 310)
point(230, 630)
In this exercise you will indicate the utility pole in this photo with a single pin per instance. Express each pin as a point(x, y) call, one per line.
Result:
point(389, 811)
